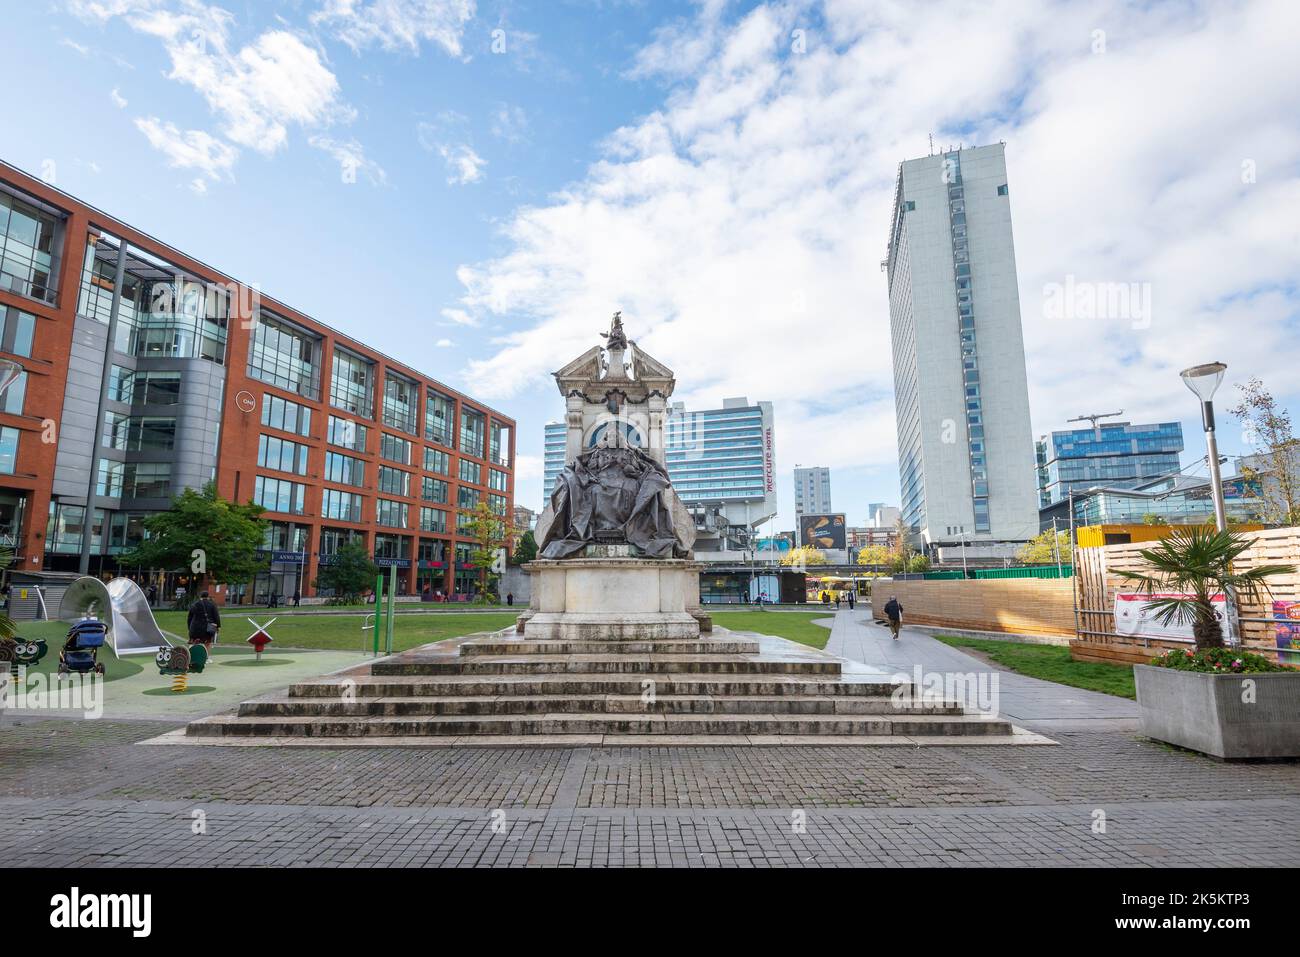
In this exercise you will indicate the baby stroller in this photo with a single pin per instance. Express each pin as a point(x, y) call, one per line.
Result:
point(80, 652)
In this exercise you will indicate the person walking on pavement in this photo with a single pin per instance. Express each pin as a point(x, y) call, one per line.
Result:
point(853, 602)
point(894, 612)
point(203, 621)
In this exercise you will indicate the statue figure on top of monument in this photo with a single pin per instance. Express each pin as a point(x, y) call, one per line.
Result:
point(615, 338)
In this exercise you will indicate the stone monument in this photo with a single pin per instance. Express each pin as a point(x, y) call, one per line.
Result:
point(615, 542)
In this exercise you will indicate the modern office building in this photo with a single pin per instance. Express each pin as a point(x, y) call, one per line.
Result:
point(812, 491)
point(965, 449)
point(1169, 500)
point(145, 372)
point(721, 462)
point(1114, 454)
point(883, 516)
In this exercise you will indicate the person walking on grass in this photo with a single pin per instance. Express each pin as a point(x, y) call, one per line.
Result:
point(894, 613)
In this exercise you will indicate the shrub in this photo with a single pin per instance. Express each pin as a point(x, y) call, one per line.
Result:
point(1224, 661)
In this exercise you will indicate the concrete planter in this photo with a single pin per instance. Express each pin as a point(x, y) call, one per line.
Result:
point(1214, 714)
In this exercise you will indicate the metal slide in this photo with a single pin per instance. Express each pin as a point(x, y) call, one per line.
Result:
point(122, 606)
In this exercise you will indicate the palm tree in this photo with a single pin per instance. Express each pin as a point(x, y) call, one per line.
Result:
point(1196, 563)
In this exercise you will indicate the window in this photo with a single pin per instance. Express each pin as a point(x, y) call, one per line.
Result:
point(285, 537)
point(392, 546)
point(279, 495)
point(134, 479)
point(392, 514)
point(8, 450)
point(30, 241)
point(340, 506)
point(283, 355)
point(1002, 190)
point(497, 503)
point(497, 480)
point(439, 413)
point(11, 400)
point(438, 461)
point(471, 472)
point(19, 327)
point(499, 445)
point(344, 469)
point(163, 313)
point(138, 433)
point(281, 455)
point(144, 388)
point(471, 433)
point(278, 413)
point(352, 385)
point(433, 520)
point(394, 481)
point(348, 434)
point(400, 398)
point(434, 490)
point(332, 539)
point(467, 498)
point(394, 449)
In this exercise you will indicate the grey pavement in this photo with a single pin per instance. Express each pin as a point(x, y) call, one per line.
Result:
point(1041, 706)
point(88, 794)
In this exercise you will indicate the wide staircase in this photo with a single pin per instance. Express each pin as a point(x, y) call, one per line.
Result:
point(498, 688)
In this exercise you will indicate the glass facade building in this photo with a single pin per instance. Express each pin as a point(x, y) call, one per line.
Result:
point(1112, 455)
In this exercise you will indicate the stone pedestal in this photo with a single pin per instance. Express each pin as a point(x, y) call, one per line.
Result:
point(613, 599)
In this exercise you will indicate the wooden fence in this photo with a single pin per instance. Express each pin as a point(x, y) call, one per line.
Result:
point(1097, 583)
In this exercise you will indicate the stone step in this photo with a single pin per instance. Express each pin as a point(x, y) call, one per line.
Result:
point(606, 664)
point(570, 724)
point(378, 686)
point(631, 705)
point(668, 647)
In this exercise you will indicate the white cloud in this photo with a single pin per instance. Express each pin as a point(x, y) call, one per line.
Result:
point(464, 166)
point(459, 317)
point(529, 467)
point(199, 185)
point(444, 344)
point(509, 123)
point(118, 99)
point(79, 48)
point(741, 225)
point(352, 159)
point(397, 24)
point(257, 91)
point(188, 149)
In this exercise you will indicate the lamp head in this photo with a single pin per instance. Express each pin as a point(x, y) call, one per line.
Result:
point(1204, 380)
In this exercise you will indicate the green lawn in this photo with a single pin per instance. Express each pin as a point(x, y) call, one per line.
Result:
point(343, 632)
point(1051, 663)
point(795, 625)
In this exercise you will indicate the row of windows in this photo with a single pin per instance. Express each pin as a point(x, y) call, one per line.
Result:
point(138, 433)
point(144, 388)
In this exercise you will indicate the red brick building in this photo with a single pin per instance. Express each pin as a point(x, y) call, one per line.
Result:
point(138, 371)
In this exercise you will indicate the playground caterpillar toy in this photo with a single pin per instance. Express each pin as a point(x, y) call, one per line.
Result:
point(180, 659)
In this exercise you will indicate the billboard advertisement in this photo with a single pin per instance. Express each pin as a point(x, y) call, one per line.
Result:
point(822, 531)
point(1132, 617)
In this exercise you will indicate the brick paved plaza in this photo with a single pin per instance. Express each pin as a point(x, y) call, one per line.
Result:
point(85, 793)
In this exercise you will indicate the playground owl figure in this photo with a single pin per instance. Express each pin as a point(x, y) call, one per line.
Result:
point(173, 660)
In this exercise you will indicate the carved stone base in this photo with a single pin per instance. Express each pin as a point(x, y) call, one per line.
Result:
point(614, 599)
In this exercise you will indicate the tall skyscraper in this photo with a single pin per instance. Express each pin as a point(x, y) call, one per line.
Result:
point(965, 449)
point(812, 491)
point(1113, 455)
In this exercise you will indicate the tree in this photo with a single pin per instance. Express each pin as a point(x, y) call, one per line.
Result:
point(918, 563)
point(350, 573)
point(1195, 564)
point(526, 550)
point(1044, 548)
point(804, 556)
point(874, 555)
point(901, 553)
point(491, 533)
point(204, 534)
point(1268, 429)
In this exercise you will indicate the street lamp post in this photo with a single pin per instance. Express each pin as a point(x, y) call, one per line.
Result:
point(1203, 381)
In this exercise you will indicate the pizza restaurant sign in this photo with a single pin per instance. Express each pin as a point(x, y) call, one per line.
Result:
point(1135, 617)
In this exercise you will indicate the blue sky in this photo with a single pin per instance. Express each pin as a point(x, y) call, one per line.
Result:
point(720, 171)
